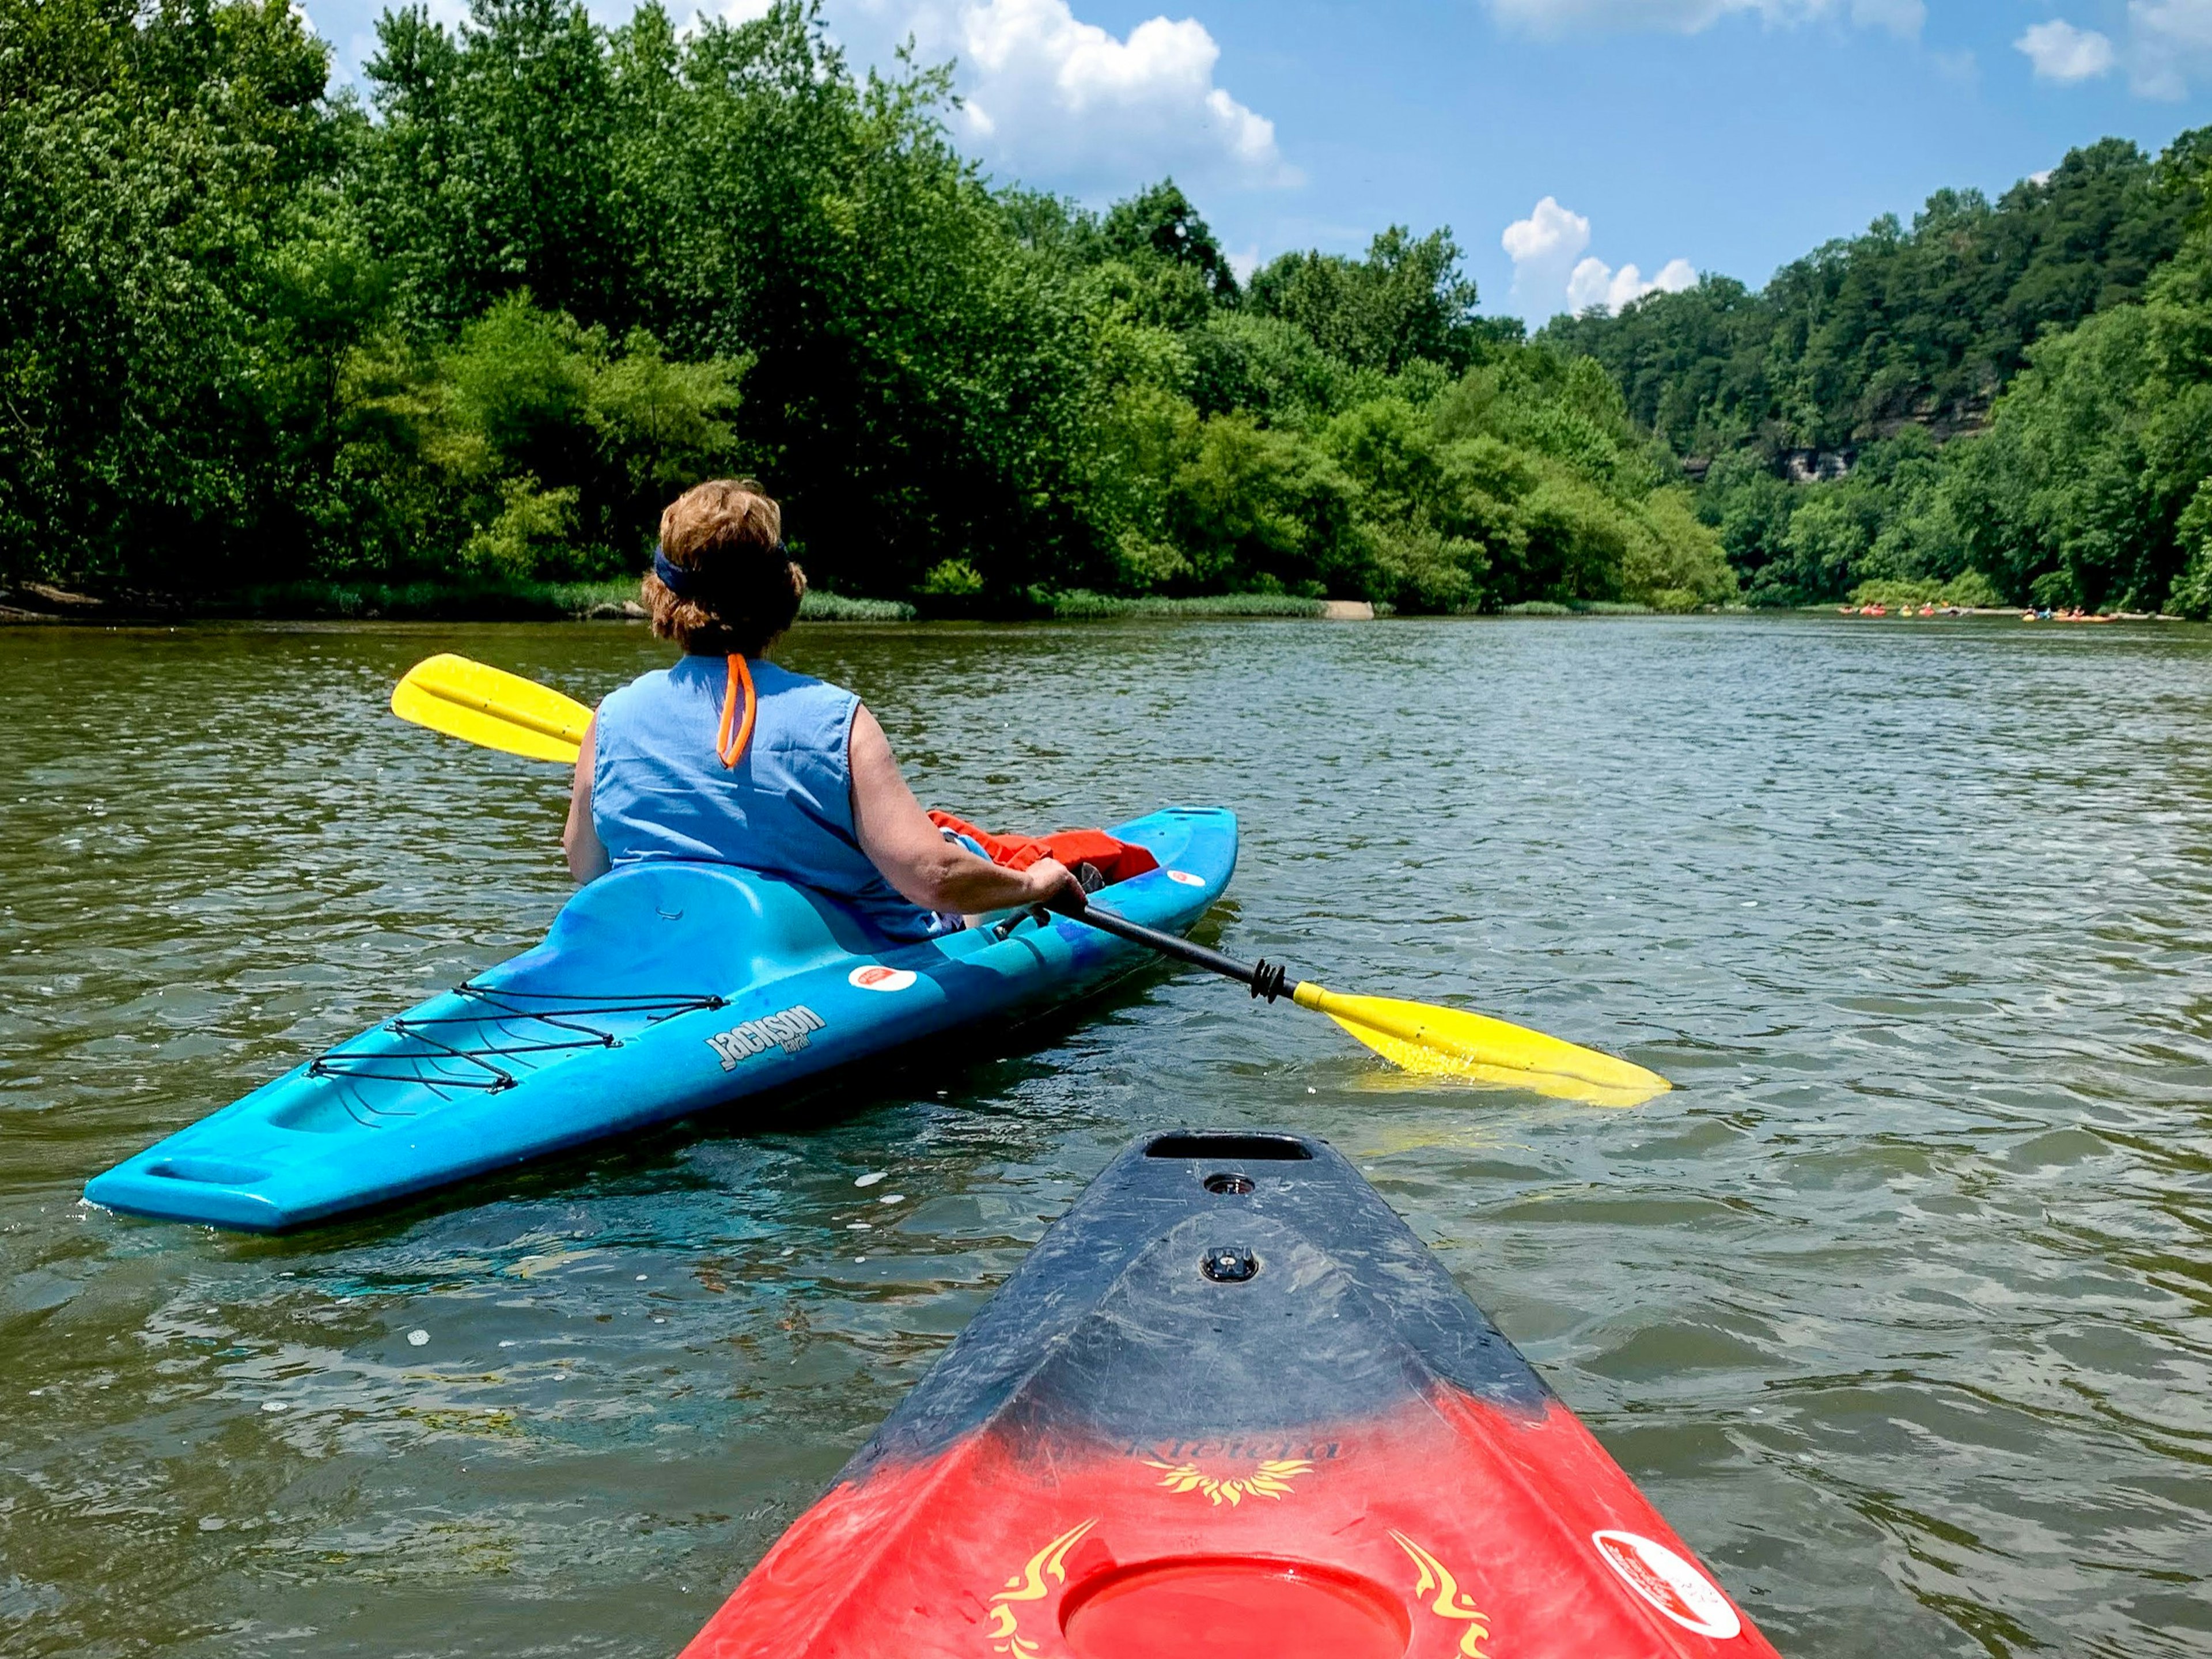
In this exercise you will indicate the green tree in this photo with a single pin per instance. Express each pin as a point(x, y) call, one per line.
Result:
point(494, 167)
point(1254, 508)
point(1925, 323)
point(2078, 492)
point(535, 445)
point(1406, 299)
point(176, 283)
point(1161, 222)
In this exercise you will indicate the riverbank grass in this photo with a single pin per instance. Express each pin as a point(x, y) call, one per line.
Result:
point(1080, 604)
point(1579, 608)
point(502, 601)
point(1970, 591)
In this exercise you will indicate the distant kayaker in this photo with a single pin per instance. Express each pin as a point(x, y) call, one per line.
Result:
point(728, 758)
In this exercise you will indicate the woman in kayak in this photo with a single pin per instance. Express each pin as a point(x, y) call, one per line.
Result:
point(728, 758)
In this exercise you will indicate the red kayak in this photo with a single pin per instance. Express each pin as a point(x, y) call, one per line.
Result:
point(1230, 1407)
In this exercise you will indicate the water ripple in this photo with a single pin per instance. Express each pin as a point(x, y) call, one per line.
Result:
point(1897, 1307)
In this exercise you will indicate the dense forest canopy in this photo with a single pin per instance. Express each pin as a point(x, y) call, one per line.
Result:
point(484, 324)
point(2016, 394)
point(477, 325)
point(1921, 325)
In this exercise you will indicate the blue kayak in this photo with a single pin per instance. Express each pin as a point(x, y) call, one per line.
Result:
point(662, 989)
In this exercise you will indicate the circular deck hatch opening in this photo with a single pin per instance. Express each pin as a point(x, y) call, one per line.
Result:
point(1233, 1606)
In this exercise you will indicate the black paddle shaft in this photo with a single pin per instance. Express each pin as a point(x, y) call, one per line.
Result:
point(1265, 978)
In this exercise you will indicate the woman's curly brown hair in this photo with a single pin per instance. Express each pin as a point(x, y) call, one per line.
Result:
point(731, 534)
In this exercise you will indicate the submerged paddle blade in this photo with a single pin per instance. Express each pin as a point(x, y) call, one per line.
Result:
point(1448, 1043)
point(489, 705)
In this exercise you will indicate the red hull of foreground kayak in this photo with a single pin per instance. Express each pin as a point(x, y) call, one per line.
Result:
point(1230, 1407)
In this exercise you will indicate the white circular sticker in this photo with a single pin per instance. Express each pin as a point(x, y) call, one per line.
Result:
point(1668, 1583)
point(874, 976)
point(1185, 878)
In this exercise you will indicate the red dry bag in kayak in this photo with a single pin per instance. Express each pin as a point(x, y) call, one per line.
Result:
point(1116, 860)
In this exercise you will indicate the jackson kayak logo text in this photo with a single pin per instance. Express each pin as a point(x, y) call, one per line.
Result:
point(789, 1031)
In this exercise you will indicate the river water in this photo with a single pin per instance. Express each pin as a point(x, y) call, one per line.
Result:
point(1897, 1307)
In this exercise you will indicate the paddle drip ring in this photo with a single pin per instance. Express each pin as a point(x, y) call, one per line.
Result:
point(1268, 979)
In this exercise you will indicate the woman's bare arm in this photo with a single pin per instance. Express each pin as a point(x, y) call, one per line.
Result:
point(580, 839)
point(934, 873)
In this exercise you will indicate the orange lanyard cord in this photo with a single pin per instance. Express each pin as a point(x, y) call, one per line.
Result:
point(740, 681)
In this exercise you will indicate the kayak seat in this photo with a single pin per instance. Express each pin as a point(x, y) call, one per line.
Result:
point(664, 928)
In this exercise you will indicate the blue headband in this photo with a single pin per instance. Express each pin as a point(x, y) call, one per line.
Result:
point(673, 577)
point(687, 584)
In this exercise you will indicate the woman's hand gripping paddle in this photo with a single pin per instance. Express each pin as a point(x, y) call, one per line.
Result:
point(1434, 1042)
point(489, 705)
point(499, 710)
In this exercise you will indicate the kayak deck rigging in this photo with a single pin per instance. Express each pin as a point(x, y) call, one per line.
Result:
point(501, 1009)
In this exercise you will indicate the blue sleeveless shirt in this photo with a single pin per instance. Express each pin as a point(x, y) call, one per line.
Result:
point(659, 789)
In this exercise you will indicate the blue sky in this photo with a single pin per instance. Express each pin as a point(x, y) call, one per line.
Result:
point(1590, 135)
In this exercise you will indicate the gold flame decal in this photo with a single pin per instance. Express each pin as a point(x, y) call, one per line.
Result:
point(1028, 1585)
point(1450, 1601)
point(1271, 1480)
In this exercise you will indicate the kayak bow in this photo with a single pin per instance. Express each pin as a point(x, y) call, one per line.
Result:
point(1230, 1407)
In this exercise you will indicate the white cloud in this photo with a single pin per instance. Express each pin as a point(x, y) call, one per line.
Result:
point(1902, 17)
point(2167, 47)
point(1549, 270)
point(1543, 247)
point(1550, 232)
point(1064, 102)
point(1596, 283)
point(2185, 23)
point(2063, 53)
point(2168, 40)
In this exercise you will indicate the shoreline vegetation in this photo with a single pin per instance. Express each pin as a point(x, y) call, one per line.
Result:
point(443, 346)
point(616, 600)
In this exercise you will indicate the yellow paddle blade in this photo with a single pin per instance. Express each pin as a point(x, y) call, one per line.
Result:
point(1448, 1043)
point(489, 705)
